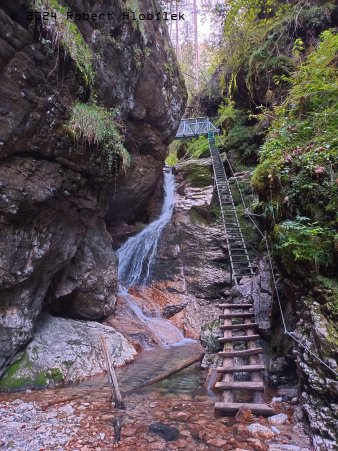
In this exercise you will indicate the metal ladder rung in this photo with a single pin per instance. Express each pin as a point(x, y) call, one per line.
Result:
point(238, 254)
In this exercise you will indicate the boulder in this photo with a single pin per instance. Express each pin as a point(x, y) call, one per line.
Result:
point(86, 288)
point(65, 351)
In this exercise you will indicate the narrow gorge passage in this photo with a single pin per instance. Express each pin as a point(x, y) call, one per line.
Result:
point(169, 195)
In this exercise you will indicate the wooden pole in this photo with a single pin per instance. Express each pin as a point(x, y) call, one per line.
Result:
point(162, 376)
point(110, 368)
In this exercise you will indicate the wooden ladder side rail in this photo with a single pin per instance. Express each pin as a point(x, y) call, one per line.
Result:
point(259, 396)
point(227, 395)
point(232, 227)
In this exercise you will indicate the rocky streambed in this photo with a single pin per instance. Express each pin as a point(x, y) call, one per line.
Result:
point(176, 413)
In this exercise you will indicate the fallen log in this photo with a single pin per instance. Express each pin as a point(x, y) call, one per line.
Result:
point(117, 397)
point(60, 401)
point(167, 374)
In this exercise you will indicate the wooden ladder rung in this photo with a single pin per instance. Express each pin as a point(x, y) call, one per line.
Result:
point(241, 368)
point(234, 305)
point(243, 353)
point(239, 338)
point(236, 315)
point(234, 385)
point(238, 326)
point(233, 407)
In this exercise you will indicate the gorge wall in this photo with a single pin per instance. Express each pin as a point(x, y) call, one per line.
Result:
point(57, 195)
point(268, 95)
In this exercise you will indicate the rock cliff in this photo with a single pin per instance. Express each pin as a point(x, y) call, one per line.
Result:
point(55, 251)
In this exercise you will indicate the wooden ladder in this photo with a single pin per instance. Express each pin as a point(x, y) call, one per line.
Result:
point(239, 329)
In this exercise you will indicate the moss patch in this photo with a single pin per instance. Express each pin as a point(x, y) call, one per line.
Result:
point(21, 375)
point(66, 33)
point(198, 176)
point(200, 216)
point(98, 126)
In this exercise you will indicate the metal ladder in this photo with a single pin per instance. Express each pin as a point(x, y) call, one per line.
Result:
point(240, 265)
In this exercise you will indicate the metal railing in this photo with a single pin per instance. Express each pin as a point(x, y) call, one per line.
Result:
point(194, 127)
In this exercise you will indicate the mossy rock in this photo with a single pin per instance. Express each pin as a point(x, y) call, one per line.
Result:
point(210, 332)
point(199, 176)
point(200, 216)
point(21, 375)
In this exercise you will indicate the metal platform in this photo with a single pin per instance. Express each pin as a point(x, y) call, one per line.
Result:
point(194, 127)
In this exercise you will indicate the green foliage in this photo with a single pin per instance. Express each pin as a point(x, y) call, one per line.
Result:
point(96, 125)
point(246, 26)
point(298, 161)
point(198, 147)
point(302, 142)
point(237, 135)
point(65, 32)
point(262, 62)
point(303, 241)
point(226, 112)
point(172, 157)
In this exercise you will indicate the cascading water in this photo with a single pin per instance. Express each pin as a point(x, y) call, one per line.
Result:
point(137, 254)
point(136, 258)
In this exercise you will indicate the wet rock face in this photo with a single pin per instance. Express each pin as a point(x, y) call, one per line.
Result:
point(54, 192)
point(309, 310)
point(86, 287)
point(319, 392)
point(210, 332)
point(65, 350)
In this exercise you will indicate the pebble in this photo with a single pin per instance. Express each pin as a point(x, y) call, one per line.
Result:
point(81, 426)
point(67, 409)
point(279, 447)
point(39, 430)
point(259, 431)
point(279, 419)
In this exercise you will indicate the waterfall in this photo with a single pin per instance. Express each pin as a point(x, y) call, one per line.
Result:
point(136, 256)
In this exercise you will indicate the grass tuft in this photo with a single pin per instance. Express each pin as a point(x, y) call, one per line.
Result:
point(97, 126)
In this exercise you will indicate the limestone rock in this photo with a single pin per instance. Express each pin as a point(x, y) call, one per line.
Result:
point(54, 192)
point(86, 287)
point(211, 361)
point(277, 420)
point(210, 332)
point(259, 431)
point(64, 351)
